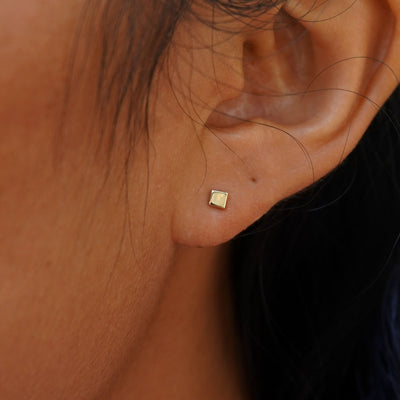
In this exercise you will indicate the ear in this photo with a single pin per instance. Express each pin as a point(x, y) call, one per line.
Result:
point(309, 89)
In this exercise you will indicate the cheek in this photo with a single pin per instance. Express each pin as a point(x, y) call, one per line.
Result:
point(73, 299)
point(71, 293)
point(34, 39)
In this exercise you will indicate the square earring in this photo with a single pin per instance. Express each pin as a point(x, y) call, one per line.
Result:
point(218, 199)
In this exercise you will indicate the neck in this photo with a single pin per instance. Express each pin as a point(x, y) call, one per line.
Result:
point(191, 348)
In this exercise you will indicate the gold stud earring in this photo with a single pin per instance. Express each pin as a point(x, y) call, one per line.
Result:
point(218, 199)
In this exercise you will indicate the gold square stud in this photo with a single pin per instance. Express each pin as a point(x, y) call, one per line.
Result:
point(218, 199)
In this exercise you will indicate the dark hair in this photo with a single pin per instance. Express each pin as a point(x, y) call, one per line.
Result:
point(317, 279)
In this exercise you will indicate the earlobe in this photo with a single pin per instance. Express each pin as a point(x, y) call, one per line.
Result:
point(311, 88)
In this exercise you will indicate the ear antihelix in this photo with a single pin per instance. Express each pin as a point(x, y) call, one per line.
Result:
point(277, 66)
point(316, 11)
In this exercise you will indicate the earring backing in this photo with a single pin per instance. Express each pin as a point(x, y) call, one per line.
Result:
point(218, 199)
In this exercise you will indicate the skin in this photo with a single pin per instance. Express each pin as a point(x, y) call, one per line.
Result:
point(109, 293)
point(83, 296)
